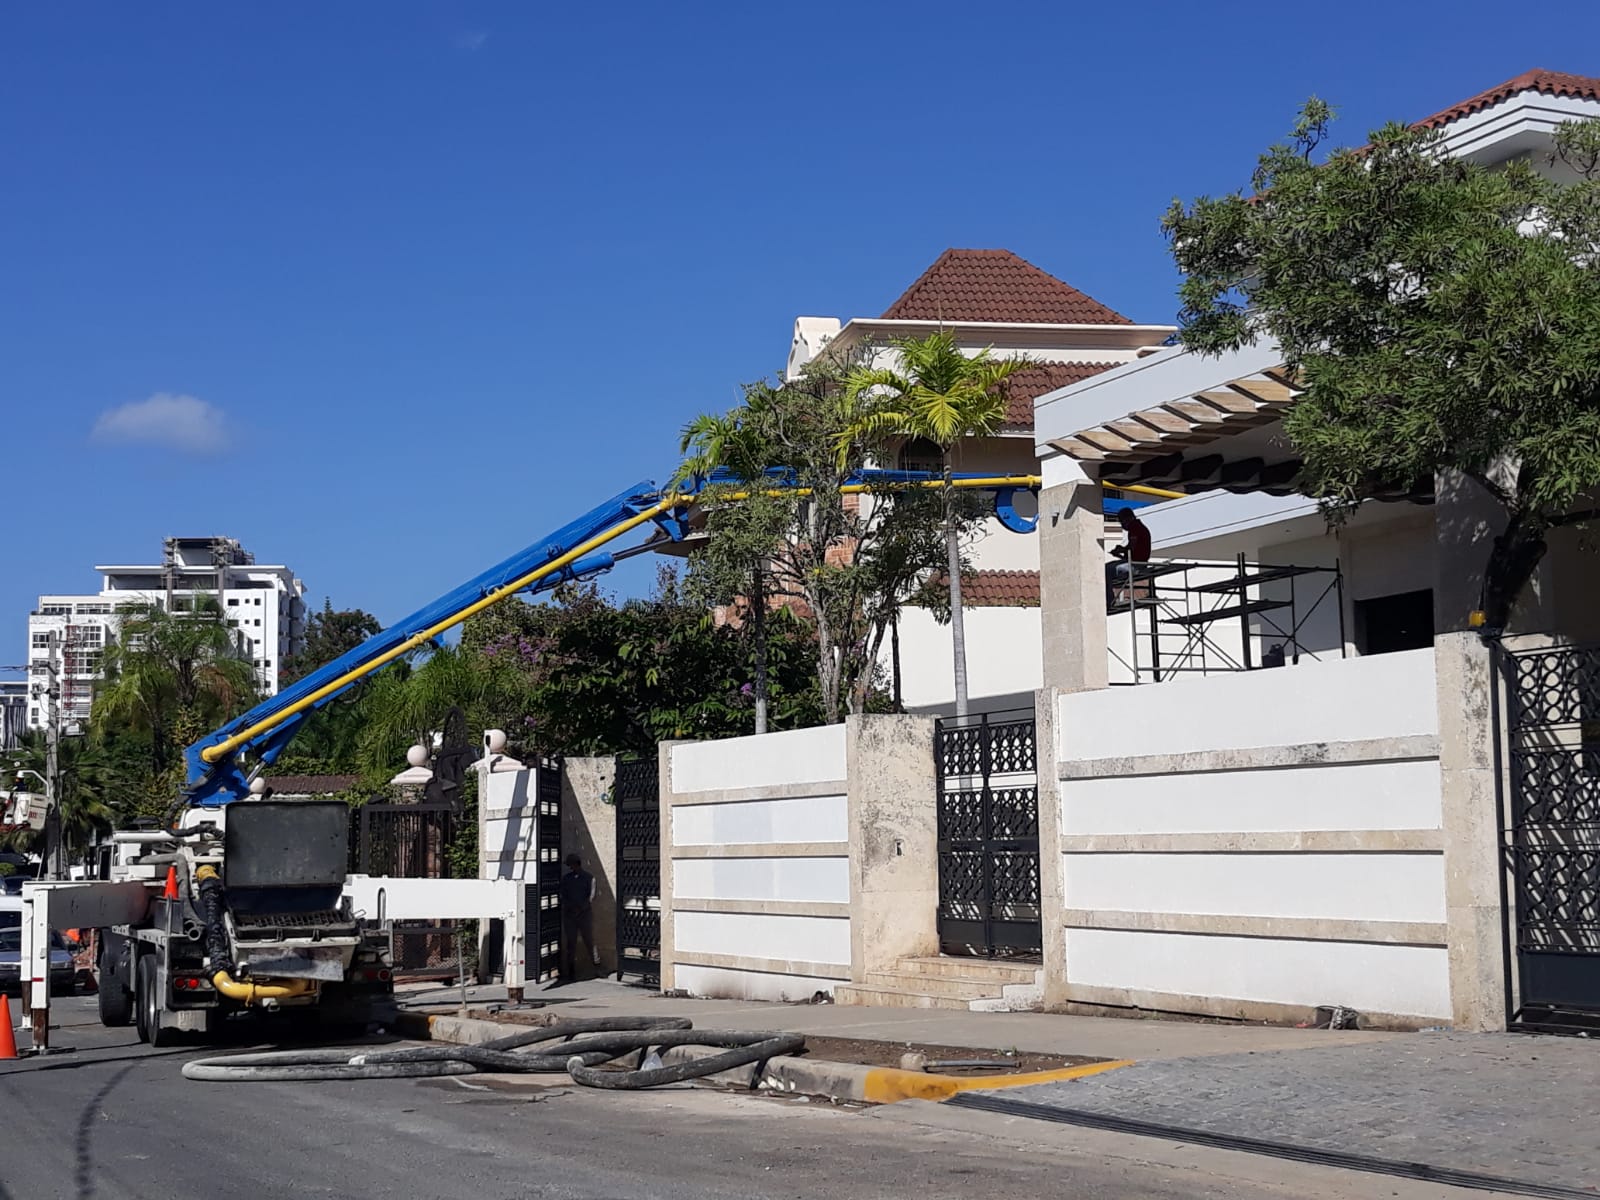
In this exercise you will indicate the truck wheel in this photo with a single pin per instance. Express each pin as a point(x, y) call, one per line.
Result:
point(149, 1002)
point(116, 1001)
point(140, 1007)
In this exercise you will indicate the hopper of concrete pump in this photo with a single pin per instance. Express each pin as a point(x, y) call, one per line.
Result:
point(286, 856)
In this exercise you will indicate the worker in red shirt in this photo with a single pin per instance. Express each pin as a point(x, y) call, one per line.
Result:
point(1135, 550)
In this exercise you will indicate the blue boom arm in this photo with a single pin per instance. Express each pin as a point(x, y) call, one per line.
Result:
point(218, 783)
point(216, 772)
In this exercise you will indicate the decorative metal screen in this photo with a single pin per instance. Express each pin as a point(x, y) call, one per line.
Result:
point(638, 804)
point(544, 904)
point(1553, 719)
point(988, 835)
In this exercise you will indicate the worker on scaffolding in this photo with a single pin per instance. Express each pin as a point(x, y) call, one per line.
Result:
point(1134, 551)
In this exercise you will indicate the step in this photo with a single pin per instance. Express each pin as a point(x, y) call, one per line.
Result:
point(988, 970)
point(935, 985)
point(857, 995)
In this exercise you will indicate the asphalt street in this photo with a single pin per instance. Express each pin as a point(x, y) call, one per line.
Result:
point(108, 1118)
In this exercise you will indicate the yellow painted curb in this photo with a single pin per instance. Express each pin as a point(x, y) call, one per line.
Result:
point(886, 1085)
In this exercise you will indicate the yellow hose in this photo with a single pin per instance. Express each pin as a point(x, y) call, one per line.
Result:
point(250, 993)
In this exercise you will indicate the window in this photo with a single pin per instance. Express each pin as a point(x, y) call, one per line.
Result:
point(93, 610)
point(56, 610)
point(919, 454)
point(41, 641)
point(258, 622)
point(233, 603)
point(1386, 624)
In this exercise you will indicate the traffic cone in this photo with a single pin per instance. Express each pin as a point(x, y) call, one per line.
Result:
point(8, 1039)
point(170, 892)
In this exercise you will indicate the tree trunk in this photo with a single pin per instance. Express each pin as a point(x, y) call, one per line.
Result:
point(958, 624)
point(1514, 557)
point(894, 643)
point(758, 630)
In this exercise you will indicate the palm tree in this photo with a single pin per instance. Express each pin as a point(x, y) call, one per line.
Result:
point(174, 675)
point(406, 707)
point(940, 395)
point(731, 442)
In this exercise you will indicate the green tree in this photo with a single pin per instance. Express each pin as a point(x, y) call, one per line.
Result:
point(593, 677)
point(329, 634)
point(845, 562)
point(172, 676)
point(329, 739)
point(1441, 317)
point(748, 532)
point(940, 395)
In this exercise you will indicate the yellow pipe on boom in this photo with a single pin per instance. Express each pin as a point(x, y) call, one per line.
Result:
point(215, 754)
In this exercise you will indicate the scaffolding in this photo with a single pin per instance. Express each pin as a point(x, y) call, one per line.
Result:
point(1179, 608)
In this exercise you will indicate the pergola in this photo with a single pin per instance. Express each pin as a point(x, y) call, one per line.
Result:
point(1225, 434)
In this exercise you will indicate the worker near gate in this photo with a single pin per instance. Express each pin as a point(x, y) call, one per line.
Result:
point(1135, 550)
point(577, 917)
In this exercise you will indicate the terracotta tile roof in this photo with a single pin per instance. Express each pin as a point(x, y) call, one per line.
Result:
point(996, 285)
point(1551, 83)
point(1028, 383)
point(996, 589)
point(312, 785)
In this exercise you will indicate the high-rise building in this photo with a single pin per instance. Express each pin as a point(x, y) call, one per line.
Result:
point(67, 634)
point(13, 711)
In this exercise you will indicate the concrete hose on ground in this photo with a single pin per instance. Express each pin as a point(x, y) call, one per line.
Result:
point(580, 1056)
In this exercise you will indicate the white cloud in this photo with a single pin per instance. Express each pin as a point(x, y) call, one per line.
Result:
point(471, 39)
point(184, 423)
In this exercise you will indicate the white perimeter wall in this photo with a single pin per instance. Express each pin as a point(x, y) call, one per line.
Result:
point(756, 834)
point(1253, 843)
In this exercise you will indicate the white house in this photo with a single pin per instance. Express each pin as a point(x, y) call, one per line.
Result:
point(987, 299)
point(67, 634)
point(1399, 820)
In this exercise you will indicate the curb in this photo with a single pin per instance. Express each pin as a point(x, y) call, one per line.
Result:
point(786, 1075)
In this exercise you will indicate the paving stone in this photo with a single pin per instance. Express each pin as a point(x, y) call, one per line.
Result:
point(1518, 1106)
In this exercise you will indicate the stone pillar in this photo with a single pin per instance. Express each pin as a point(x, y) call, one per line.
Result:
point(894, 841)
point(1467, 519)
point(1052, 867)
point(1475, 913)
point(668, 938)
point(589, 830)
point(1072, 581)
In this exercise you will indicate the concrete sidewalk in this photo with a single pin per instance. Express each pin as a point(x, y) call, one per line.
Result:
point(1043, 1033)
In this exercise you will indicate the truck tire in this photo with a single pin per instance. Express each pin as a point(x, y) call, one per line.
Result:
point(148, 999)
point(116, 1001)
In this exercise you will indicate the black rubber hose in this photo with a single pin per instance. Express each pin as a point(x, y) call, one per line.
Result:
point(747, 1048)
point(213, 903)
point(606, 1040)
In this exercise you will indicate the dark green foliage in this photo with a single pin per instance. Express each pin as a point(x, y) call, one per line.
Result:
point(1444, 318)
point(591, 677)
point(329, 634)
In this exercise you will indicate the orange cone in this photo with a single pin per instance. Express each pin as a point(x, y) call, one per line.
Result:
point(170, 892)
point(8, 1039)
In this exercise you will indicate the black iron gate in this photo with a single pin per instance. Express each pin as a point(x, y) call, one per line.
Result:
point(410, 841)
point(1553, 834)
point(543, 925)
point(638, 803)
point(988, 835)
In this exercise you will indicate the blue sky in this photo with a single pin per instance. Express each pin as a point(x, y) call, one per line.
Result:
point(420, 282)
